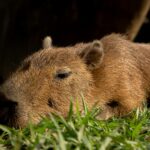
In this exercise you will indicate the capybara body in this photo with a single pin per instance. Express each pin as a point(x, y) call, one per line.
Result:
point(112, 73)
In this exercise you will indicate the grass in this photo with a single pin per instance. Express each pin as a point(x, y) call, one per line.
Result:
point(79, 131)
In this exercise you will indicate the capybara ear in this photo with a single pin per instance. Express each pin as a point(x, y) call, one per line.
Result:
point(47, 42)
point(93, 54)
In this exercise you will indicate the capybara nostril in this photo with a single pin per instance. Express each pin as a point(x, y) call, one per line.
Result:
point(7, 109)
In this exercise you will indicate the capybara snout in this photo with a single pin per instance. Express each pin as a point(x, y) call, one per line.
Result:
point(7, 110)
point(113, 73)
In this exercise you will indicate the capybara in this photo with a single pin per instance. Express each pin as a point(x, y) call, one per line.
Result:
point(112, 73)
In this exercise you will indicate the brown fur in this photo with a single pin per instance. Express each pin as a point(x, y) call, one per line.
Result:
point(112, 72)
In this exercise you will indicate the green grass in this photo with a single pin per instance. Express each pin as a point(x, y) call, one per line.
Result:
point(81, 132)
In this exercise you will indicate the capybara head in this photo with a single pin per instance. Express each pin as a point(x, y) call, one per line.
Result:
point(46, 82)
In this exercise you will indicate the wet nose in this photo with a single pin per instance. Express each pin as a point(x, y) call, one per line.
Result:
point(7, 109)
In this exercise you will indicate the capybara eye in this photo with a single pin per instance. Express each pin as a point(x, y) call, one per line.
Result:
point(113, 103)
point(62, 74)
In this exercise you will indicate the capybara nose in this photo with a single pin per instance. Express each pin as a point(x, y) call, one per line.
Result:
point(7, 109)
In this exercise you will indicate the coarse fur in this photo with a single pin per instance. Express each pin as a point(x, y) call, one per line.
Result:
point(113, 73)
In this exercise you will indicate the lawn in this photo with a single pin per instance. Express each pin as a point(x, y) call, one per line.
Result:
point(80, 131)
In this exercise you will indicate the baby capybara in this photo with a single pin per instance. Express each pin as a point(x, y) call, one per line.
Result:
point(112, 73)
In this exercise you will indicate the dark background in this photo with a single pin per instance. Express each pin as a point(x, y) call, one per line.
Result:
point(24, 24)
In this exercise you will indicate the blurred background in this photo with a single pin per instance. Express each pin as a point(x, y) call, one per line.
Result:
point(24, 24)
